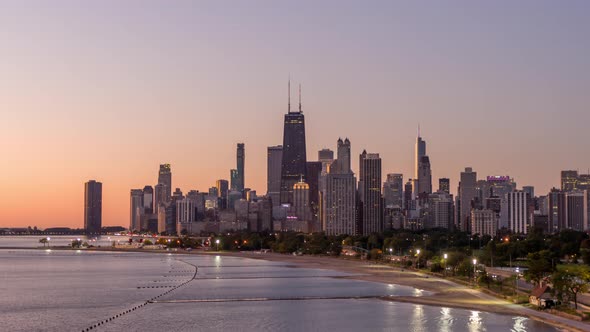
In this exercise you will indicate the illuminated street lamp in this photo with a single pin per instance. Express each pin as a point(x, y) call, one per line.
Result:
point(445, 256)
point(474, 265)
point(217, 242)
point(417, 258)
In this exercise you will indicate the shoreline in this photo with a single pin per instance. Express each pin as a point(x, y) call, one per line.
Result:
point(445, 293)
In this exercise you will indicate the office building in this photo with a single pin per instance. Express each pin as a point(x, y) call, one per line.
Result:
point(92, 207)
point(136, 210)
point(148, 200)
point(274, 159)
point(369, 188)
point(222, 191)
point(165, 178)
point(393, 189)
point(444, 185)
point(568, 180)
point(293, 165)
point(466, 195)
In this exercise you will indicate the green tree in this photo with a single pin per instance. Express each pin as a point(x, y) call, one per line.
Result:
point(570, 280)
point(44, 241)
point(540, 265)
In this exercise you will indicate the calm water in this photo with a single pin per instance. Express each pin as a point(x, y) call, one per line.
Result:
point(51, 290)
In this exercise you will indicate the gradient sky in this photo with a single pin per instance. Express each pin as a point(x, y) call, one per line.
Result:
point(108, 90)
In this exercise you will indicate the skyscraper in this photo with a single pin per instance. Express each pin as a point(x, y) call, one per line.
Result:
point(568, 180)
point(393, 189)
point(424, 176)
point(165, 178)
point(466, 193)
point(240, 158)
point(148, 199)
point(233, 180)
point(340, 195)
point(222, 191)
point(519, 218)
point(419, 152)
point(274, 158)
point(314, 171)
point(160, 197)
point(136, 209)
point(369, 188)
point(301, 202)
point(294, 152)
point(444, 185)
point(557, 206)
point(577, 210)
point(92, 207)
point(408, 195)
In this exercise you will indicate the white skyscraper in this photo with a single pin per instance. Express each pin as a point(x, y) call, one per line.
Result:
point(519, 218)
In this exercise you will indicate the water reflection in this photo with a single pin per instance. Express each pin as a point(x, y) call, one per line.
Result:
point(519, 324)
point(446, 320)
point(474, 323)
point(418, 320)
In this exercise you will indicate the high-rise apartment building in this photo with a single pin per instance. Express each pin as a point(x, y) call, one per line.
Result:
point(519, 215)
point(240, 158)
point(340, 195)
point(577, 210)
point(92, 207)
point(369, 188)
point(274, 158)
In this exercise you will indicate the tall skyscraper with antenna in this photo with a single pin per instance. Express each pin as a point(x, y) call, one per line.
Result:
point(420, 151)
point(293, 165)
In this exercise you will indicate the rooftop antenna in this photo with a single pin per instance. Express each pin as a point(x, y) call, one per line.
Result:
point(300, 98)
point(418, 129)
point(289, 95)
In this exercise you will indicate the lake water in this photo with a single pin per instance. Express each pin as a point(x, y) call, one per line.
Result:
point(55, 290)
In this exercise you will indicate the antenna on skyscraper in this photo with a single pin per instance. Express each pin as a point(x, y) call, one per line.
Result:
point(299, 97)
point(289, 95)
point(418, 129)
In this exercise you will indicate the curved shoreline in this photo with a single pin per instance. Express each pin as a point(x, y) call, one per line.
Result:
point(444, 292)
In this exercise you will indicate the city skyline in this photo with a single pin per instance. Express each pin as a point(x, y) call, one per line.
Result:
point(93, 124)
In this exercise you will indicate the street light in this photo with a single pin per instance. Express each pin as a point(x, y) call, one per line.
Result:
point(418, 258)
point(48, 239)
point(217, 241)
point(390, 254)
point(474, 265)
point(445, 256)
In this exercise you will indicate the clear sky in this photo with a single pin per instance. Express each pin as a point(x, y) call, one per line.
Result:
point(108, 90)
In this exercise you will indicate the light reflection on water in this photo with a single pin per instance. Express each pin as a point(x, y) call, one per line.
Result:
point(74, 289)
point(475, 322)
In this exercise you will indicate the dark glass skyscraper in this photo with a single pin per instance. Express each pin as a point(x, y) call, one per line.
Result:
point(240, 158)
point(369, 189)
point(92, 207)
point(293, 165)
